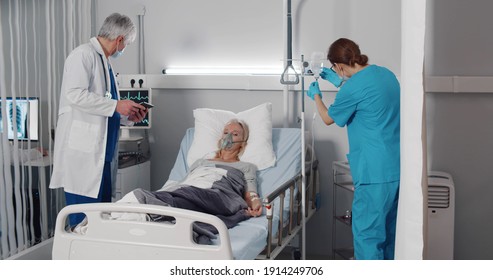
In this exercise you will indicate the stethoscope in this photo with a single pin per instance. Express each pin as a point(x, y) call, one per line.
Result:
point(108, 93)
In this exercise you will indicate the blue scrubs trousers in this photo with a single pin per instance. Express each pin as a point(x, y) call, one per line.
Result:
point(104, 195)
point(374, 215)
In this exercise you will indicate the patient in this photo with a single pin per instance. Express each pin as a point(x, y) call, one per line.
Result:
point(223, 186)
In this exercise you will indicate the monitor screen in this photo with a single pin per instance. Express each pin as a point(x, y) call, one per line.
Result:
point(138, 95)
point(22, 118)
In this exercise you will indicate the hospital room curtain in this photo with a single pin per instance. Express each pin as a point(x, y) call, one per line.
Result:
point(411, 219)
point(35, 38)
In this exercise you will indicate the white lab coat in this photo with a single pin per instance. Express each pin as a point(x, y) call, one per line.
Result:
point(80, 138)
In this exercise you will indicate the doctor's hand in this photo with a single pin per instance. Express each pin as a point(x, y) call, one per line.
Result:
point(139, 116)
point(128, 107)
point(314, 90)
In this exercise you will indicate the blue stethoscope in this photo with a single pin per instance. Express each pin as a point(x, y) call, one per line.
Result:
point(108, 93)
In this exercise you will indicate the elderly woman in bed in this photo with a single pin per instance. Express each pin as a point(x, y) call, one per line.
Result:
point(223, 186)
point(231, 147)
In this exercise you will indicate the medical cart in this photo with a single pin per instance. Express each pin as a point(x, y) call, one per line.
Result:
point(342, 196)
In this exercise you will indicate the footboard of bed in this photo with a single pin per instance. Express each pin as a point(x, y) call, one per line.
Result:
point(122, 239)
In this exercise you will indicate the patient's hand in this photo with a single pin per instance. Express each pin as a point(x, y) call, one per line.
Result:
point(254, 204)
point(254, 212)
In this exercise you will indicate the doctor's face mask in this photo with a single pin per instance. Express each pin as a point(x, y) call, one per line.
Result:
point(118, 53)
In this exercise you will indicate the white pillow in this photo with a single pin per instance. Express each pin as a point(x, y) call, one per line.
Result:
point(209, 125)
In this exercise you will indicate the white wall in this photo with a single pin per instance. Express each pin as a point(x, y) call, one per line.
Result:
point(233, 32)
point(236, 32)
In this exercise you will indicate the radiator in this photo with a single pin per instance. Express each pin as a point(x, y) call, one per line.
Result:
point(441, 210)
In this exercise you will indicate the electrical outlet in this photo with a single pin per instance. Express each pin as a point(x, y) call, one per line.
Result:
point(124, 80)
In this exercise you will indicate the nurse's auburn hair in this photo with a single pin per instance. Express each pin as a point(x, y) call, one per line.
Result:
point(346, 51)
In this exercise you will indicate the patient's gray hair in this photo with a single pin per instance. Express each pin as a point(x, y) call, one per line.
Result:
point(246, 133)
point(246, 130)
point(118, 25)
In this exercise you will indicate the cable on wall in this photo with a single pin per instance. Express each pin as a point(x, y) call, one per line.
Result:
point(142, 61)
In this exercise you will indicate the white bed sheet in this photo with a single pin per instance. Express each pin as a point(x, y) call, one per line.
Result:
point(249, 238)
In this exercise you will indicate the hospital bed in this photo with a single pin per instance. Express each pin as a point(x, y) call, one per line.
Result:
point(262, 237)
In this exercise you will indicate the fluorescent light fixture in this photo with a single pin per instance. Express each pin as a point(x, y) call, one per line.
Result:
point(223, 71)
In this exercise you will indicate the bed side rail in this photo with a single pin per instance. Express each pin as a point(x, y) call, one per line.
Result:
point(293, 187)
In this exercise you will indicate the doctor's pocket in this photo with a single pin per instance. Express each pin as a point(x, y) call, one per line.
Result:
point(84, 136)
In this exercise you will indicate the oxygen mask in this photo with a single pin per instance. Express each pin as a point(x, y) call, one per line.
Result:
point(227, 142)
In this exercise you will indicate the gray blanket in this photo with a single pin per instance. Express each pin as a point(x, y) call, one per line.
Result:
point(224, 199)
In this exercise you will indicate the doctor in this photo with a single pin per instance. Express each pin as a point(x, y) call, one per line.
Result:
point(89, 118)
point(368, 103)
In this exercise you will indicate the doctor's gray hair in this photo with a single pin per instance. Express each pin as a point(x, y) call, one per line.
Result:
point(118, 25)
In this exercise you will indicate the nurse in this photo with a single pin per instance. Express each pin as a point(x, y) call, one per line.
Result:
point(89, 118)
point(368, 103)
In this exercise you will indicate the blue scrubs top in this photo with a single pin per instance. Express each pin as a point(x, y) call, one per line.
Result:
point(369, 104)
point(113, 124)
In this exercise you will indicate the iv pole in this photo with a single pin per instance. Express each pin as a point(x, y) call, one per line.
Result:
point(303, 171)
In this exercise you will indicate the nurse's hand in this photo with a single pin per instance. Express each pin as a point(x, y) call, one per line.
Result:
point(128, 107)
point(139, 116)
point(325, 73)
point(314, 90)
point(331, 76)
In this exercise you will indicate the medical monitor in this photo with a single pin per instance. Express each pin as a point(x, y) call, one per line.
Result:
point(138, 95)
point(22, 118)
